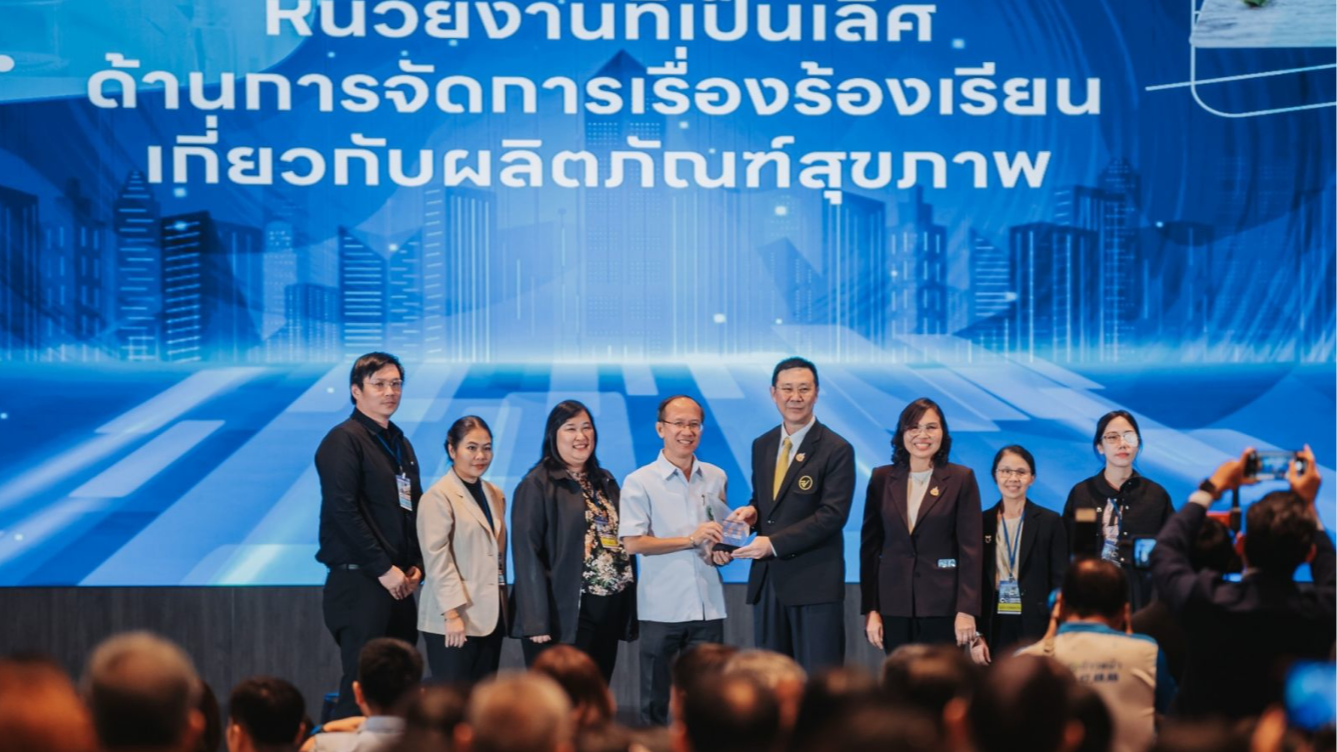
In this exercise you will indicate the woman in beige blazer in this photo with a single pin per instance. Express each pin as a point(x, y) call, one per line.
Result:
point(462, 532)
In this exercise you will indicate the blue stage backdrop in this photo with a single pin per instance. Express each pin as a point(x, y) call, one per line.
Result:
point(1032, 212)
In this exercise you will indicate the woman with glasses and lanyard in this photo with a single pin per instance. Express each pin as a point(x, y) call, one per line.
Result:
point(574, 581)
point(920, 551)
point(1025, 556)
point(1127, 506)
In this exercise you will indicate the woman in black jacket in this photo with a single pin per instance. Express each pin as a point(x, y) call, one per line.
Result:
point(1128, 506)
point(1025, 556)
point(574, 582)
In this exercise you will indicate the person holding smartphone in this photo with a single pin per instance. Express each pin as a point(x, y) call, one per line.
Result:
point(1127, 505)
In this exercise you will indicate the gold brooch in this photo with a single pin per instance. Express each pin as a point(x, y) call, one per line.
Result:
point(799, 457)
point(933, 491)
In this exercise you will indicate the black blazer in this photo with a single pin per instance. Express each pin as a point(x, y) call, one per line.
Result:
point(806, 521)
point(1241, 635)
point(1042, 558)
point(548, 552)
point(899, 572)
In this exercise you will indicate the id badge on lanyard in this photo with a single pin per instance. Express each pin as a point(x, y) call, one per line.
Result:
point(405, 488)
point(1110, 550)
point(602, 528)
point(1009, 597)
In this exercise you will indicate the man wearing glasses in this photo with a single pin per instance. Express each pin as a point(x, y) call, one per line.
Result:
point(671, 514)
point(369, 490)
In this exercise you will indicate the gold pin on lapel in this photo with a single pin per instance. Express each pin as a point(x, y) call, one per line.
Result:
point(933, 491)
point(799, 457)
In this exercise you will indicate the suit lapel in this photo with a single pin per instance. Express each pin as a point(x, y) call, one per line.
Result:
point(895, 494)
point(936, 482)
point(807, 449)
point(1028, 533)
point(769, 449)
point(465, 499)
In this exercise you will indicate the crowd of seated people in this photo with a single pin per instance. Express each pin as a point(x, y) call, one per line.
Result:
point(1091, 683)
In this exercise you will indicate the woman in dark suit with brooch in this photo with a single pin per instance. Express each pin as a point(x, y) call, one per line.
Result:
point(1025, 556)
point(574, 582)
point(920, 555)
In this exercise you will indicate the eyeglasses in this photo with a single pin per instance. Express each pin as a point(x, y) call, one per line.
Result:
point(1013, 472)
point(387, 386)
point(927, 428)
point(694, 425)
point(1112, 438)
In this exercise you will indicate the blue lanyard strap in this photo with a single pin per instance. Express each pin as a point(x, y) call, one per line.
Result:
point(1010, 546)
point(395, 452)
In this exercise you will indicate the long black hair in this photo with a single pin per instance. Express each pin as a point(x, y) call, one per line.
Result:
point(910, 416)
point(561, 413)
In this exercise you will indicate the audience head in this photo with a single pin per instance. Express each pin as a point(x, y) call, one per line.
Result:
point(211, 738)
point(517, 712)
point(579, 676)
point(736, 713)
point(779, 674)
point(40, 711)
point(1095, 589)
point(697, 665)
point(937, 441)
point(1022, 704)
point(1214, 548)
point(570, 437)
point(431, 717)
point(143, 693)
point(928, 678)
point(265, 714)
point(869, 726)
point(1089, 709)
point(824, 698)
point(1278, 533)
point(387, 671)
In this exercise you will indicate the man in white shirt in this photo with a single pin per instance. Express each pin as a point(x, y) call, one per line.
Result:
point(1093, 641)
point(671, 514)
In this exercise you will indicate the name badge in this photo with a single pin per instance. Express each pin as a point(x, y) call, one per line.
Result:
point(405, 487)
point(1009, 597)
point(946, 563)
point(1110, 551)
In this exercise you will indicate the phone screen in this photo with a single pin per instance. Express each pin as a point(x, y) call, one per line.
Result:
point(1142, 552)
point(1311, 695)
point(1273, 465)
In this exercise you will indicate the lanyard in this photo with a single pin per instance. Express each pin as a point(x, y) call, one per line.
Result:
point(396, 452)
point(1009, 546)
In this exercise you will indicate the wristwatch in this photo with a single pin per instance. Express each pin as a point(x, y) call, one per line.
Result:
point(1210, 488)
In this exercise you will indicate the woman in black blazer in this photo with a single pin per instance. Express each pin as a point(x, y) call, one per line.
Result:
point(919, 558)
point(1025, 556)
point(574, 582)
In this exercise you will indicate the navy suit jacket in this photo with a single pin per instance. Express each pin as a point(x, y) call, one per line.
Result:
point(806, 520)
point(934, 571)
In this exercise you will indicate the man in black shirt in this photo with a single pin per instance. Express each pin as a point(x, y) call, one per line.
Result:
point(369, 490)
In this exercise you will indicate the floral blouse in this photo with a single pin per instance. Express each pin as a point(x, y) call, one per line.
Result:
point(607, 563)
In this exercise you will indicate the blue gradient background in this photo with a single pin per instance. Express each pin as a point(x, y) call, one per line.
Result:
point(149, 472)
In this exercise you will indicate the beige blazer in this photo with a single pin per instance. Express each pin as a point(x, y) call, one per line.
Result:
point(461, 556)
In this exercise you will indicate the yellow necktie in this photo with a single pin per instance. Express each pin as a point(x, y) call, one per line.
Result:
point(781, 466)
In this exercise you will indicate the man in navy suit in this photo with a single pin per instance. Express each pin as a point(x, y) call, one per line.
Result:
point(802, 487)
point(1244, 635)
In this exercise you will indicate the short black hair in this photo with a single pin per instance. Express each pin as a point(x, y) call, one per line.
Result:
point(1095, 587)
point(927, 677)
point(1214, 549)
point(795, 362)
point(1016, 449)
point(664, 403)
point(910, 416)
point(387, 670)
point(461, 428)
point(732, 714)
point(270, 709)
point(1090, 710)
point(1104, 422)
point(561, 413)
point(367, 365)
point(701, 663)
point(1023, 703)
point(1278, 531)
